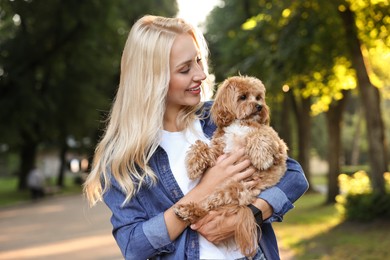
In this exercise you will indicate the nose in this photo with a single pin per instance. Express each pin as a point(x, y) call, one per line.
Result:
point(199, 73)
point(259, 107)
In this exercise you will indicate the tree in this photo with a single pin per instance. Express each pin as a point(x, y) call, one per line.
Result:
point(303, 46)
point(266, 43)
point(370, 96)
point(60, 64)
point(334, 123)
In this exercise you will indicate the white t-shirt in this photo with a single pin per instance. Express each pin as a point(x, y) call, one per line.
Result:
point(176, 145)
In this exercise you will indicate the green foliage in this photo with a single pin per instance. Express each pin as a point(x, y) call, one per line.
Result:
point(59, 68)
point(275, 40)
point(357, 200)
point(364, 207)
point(60, 64)
point(326, 236)
point(351, 169)
point(298, 43)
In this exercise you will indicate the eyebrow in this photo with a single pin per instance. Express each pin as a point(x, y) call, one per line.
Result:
point(184, 63)
point(198, 54)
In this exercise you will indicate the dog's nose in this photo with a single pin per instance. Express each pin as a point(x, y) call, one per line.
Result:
point(259, 107)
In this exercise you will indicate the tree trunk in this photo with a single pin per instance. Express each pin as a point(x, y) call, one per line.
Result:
point(285, 123)
point(370, 99)
point(302, 113)
point(28, 153)
point(355, 154)
point(334, 118)
point(63, 164)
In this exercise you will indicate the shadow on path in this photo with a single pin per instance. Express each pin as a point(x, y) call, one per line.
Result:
point(57, 228)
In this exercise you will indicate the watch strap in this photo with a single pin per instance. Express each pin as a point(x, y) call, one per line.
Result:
point(257, 213)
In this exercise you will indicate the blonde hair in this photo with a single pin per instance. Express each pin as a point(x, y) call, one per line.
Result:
point(136, 117)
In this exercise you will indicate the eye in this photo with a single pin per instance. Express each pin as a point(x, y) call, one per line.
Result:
point(185, 70)
point(258, 98)
point(243, 97)
point(199, 62)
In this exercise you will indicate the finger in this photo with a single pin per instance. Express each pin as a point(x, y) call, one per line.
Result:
point(203, 221)
point(197, 225)
point(250, 184)
point(194, 226)
point(244, 174)
point(206, 229)
point(242, 166)
point(221, 158)
point(234, 157)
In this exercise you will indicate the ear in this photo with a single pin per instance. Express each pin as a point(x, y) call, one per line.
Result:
point(265, 117)
point(222, 109)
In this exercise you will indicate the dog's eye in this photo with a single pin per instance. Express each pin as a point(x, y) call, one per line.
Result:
point(242, 97)
point(258, 98)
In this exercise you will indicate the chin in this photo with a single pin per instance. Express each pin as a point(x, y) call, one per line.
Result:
point(193, 101)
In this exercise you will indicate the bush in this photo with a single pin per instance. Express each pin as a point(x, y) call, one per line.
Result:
point(357, 200)
point(365, 207)
point(351, 169)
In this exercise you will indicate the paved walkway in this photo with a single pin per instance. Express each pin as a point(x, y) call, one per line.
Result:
point(57, 228)
point(60, 228)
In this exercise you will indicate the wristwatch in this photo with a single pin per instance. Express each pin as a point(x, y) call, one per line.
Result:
point(257, 213)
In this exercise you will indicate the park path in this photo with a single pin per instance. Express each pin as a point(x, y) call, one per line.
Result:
point(62, 227)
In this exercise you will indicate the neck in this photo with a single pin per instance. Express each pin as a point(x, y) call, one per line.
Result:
point(170, 121)
point(171, 127)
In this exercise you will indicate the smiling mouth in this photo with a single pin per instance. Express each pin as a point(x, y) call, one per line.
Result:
point(196, 89)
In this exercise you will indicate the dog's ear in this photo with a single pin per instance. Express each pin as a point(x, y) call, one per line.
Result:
point(265, 111)
point(223, 107)
point(265, 117)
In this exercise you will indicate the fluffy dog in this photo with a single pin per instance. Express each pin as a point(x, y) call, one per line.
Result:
point(242, 119)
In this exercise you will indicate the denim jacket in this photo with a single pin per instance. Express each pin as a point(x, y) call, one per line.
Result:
point(139, 228)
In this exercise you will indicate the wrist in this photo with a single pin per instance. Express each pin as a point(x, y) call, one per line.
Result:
point(265, 208)
point(257, 213)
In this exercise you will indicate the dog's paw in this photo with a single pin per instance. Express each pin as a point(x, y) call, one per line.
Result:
point(181, 212)
point(262, 157)
point(190, 212)
point(261, 148)
point(198, 159)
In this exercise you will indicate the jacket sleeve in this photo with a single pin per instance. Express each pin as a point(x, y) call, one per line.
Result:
point(138, 235)
point(290, 188)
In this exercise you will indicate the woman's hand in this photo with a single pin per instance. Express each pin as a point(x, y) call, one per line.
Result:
point(235, 166)
point(209, 228)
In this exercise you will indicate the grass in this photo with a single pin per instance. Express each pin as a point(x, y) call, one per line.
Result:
point(10, 195)
point(314, 230)
point(319, 179)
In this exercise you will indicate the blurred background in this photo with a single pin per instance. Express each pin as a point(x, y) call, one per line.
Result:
point(325, 65)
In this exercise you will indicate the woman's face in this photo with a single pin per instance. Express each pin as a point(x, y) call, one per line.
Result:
point(186, 72)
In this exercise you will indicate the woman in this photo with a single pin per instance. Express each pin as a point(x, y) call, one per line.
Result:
point(139, 169)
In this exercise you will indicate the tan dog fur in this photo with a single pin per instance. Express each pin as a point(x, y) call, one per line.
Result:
point(242, 119)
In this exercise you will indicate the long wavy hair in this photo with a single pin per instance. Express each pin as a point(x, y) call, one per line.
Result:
point(136, 117)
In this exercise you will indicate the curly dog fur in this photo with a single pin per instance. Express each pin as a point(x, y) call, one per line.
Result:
point(242, 119)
